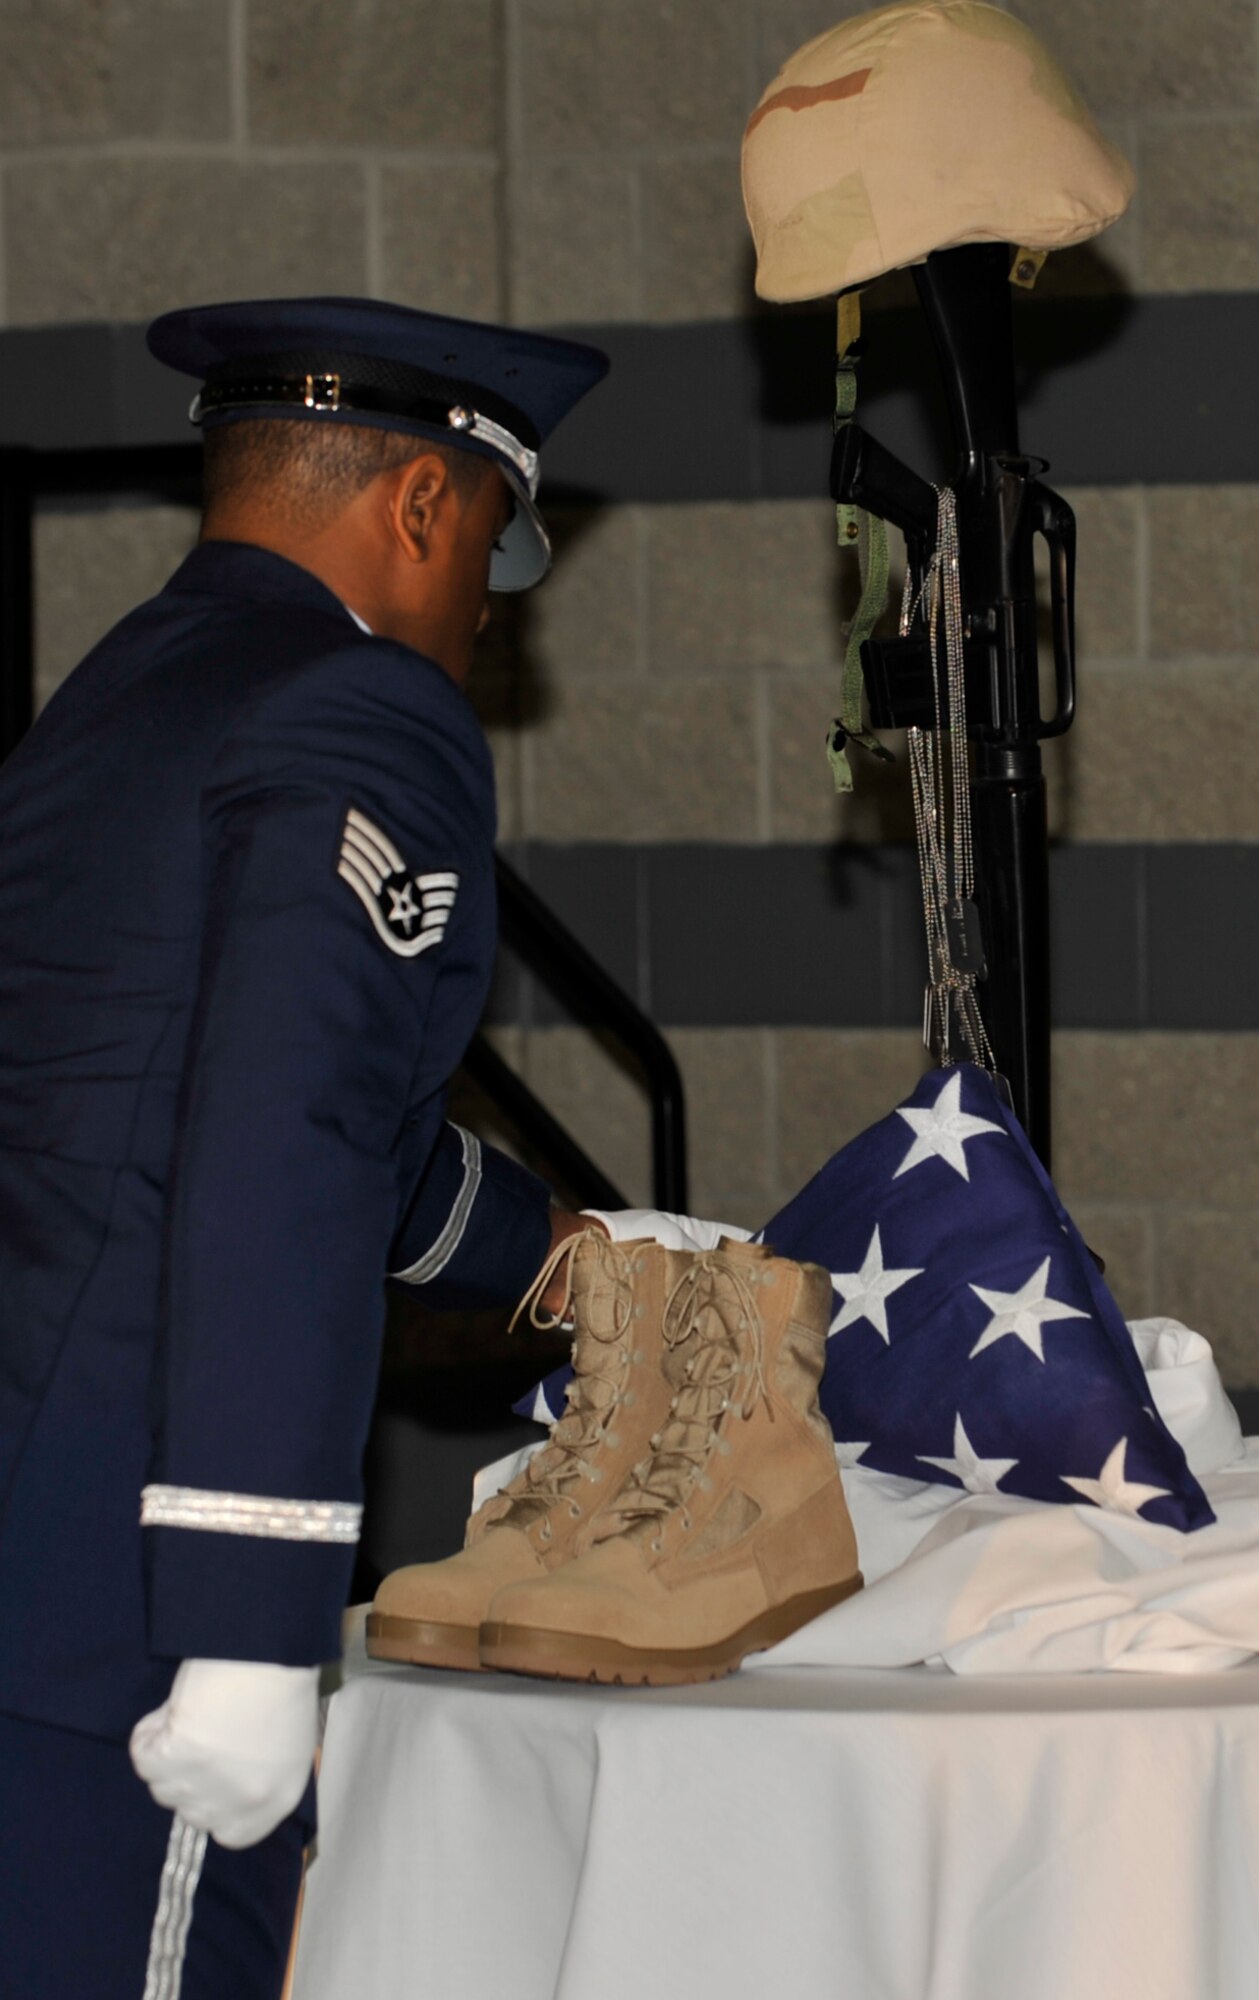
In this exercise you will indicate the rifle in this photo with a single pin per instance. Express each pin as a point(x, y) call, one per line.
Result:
point(1002, 506)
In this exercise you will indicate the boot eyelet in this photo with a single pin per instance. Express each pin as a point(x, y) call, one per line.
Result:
point(658, 1547)
point(640, 1312)
point(596, 1474)
point(574, 1510)
point(612, 1440)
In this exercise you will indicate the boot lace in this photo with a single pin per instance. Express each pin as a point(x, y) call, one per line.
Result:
point(714, 1301)
point(554, 1474)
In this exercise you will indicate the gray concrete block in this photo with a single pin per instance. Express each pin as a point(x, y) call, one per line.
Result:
point(780, 27)
point(128, 238)
point(832, 1084)
point(1124, 1240)
point(728, 1092)
point(1159, 753)
point(736, 586)
point(803, 802)
point(587, 618)
point(597, 1094)
point(576, 249)
point(600, 75)
point(633, 760)
point(1156, 1118)
point(415, 73)
point(1201, 205)
point(76, 74)
point(1207, 1263)
point(92, 567)
point(440, 240)
point(1106, 610)
point(1204, 582)
point(698, 259)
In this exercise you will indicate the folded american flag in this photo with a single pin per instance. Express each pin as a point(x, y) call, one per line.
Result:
point(972, 1339)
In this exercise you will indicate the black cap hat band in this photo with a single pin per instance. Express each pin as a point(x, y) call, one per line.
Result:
point(327, 391)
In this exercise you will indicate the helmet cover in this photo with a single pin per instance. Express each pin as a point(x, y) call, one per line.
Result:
point(916, 128)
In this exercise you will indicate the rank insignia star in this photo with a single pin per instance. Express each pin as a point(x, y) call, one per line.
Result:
point(372, 866)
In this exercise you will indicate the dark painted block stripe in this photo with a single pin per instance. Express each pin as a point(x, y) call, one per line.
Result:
point(1203, 930)
point(727, 936)
point(1114, 390)
point(1098, 967)
point(798, 934)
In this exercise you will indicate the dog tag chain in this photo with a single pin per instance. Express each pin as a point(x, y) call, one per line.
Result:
point(940, 779)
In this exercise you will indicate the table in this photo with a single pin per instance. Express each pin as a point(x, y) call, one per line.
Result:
point(798, 1834)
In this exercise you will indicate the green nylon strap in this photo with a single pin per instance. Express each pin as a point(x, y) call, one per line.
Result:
point(854, 526)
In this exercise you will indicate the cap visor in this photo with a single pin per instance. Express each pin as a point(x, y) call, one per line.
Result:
point(523, 556)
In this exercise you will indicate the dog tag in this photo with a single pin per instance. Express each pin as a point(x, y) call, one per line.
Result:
point(965, 937)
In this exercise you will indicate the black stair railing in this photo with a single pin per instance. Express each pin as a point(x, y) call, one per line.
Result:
point(528, 925)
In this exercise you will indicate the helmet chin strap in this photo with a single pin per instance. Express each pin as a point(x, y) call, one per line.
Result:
point(867, 533)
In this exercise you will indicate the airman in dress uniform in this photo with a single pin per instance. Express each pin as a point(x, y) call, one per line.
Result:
point(246, 930)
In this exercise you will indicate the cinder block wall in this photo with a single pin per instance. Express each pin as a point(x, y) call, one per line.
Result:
point(576, 161)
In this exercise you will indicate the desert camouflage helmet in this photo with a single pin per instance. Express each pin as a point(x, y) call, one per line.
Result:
point(912, 129)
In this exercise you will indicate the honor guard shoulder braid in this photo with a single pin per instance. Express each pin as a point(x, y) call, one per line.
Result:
point(493, 390)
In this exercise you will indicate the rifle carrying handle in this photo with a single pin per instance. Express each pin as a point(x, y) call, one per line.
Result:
point(1055, 522)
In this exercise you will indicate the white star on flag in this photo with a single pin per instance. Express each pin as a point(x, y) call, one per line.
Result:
point(1022, 1313)
point(1113, 1488)
point(978, 1475)
point(865, 1292)
point(850, 1453)
point(942, 1132)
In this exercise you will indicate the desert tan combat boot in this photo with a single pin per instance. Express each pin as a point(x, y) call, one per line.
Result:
point(734, 1530)
point(429, 1614)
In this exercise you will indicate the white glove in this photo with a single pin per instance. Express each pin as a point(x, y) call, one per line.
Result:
point(675, 1232)
point(232, 1747)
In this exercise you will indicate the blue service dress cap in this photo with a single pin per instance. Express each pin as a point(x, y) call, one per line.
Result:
point(495, 390)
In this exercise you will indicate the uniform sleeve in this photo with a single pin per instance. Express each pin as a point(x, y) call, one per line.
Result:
point(314, 1034)
point(478, 1228)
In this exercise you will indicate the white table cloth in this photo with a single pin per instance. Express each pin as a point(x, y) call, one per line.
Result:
point(793, 1834)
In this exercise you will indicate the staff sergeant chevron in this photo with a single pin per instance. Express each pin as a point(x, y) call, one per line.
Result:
point(379, 877)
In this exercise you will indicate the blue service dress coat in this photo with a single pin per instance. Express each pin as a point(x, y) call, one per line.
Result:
point(247, 926)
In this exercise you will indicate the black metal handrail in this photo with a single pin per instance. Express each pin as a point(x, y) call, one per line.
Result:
point(550, 949)
point(535, 933)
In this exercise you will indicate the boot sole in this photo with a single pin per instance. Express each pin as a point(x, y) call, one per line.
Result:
point(577, 1656)
point(423, 1642)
